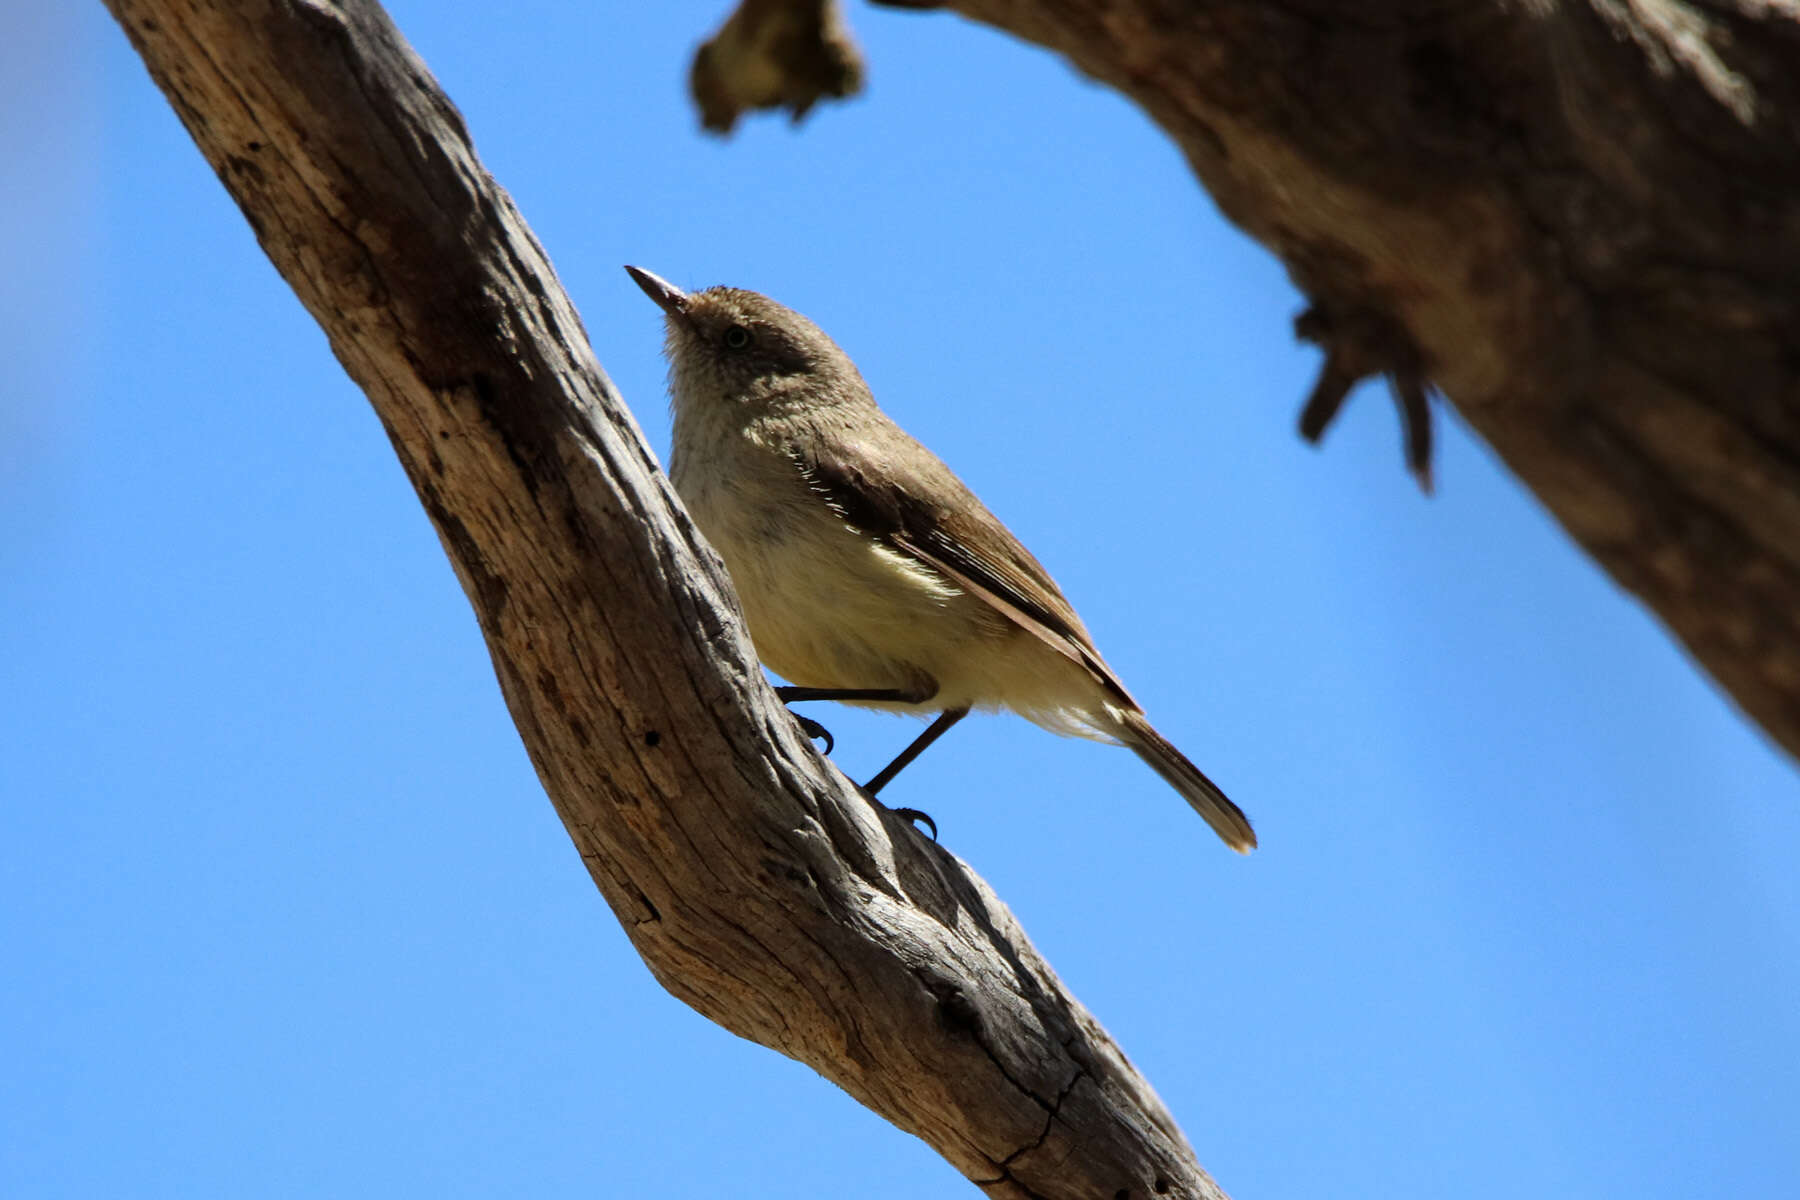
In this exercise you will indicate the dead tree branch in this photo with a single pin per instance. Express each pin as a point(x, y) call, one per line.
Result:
point(759, 886)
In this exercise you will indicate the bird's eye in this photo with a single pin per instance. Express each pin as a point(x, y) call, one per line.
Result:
point(737, 337)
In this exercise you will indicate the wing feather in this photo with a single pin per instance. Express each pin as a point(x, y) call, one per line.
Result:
point(916, 505)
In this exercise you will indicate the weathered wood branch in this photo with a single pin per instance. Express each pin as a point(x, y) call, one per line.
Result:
point(759, 886)
point(1582, 219)
point(1585, 214)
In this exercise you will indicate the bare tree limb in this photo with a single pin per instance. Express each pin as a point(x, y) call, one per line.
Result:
point(757, 883)
point(1577, 219)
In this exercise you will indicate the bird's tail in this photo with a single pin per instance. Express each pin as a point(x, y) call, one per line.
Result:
point(1226, 818)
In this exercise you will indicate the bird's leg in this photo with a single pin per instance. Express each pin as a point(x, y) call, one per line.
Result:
point(933, 732)
point(790, 694)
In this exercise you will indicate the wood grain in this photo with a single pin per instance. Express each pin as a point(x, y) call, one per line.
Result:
point(758, 885)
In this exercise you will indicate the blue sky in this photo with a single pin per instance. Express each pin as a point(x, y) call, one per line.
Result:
point(287, 913)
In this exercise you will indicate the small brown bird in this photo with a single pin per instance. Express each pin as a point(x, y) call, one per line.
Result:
point(868, 572)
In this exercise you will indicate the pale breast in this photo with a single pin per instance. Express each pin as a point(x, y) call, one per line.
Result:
point(827, 606)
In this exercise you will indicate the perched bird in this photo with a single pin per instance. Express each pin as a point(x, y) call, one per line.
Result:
point(867, 571)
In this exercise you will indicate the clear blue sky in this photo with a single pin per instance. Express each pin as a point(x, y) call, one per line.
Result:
point(286, 913)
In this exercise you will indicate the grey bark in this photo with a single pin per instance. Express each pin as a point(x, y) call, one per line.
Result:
point(1582, 219)
point(1578, 219)
point(758, 885)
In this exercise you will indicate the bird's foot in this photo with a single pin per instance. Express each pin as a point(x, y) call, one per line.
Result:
point(813, 729)
point(915, 816)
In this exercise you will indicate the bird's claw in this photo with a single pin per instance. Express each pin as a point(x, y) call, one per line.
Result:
point(813, 729)
point(916, 815)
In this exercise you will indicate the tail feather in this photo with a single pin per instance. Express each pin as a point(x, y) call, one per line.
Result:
point(1226, 818)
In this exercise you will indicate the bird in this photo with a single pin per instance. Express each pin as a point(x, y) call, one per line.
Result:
point(867, 571)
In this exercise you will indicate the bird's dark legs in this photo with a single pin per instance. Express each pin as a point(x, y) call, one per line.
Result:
point(933, 732)
point(790, 694)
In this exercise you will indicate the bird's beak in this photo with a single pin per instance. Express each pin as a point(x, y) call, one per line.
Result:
point(668, 297)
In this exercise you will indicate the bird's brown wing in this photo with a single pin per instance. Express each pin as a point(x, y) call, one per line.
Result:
point(903, 495)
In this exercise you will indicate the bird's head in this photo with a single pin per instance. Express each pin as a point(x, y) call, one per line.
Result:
point(728, 346)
